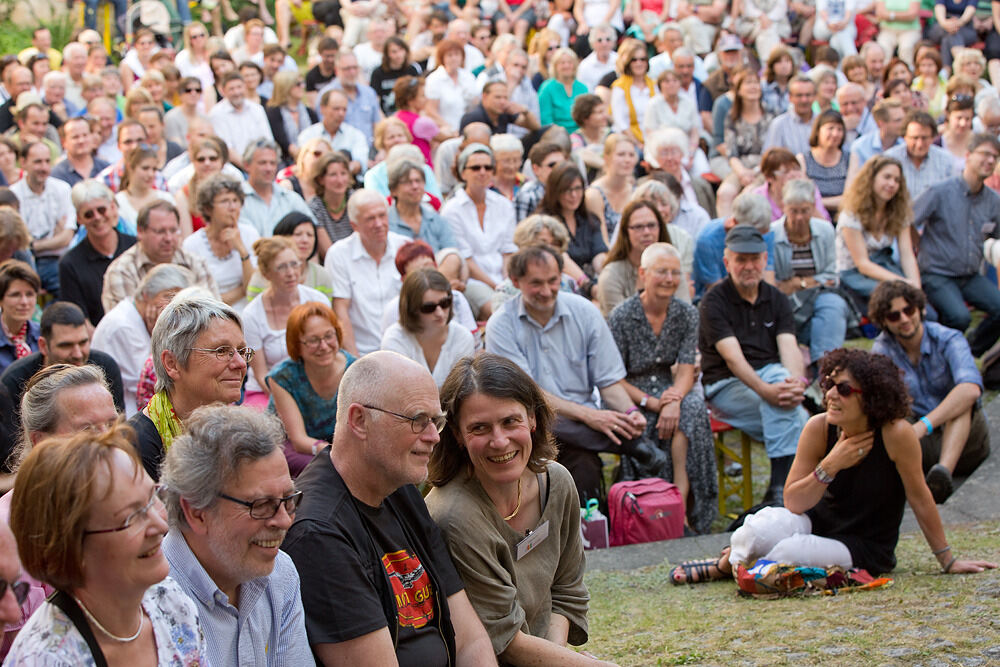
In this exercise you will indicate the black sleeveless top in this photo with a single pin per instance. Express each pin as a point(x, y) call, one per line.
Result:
point(863, 508)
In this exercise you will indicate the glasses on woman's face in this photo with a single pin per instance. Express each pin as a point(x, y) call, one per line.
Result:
point(288, 266)
point(20, 590)
point(480, 167)
point(313, 343)
point(193, 90)
point(227, 352)
point(894, 315)
point(843, 388)
point(642, 227)
point(263, 509)
point(139, 518)
point(432, 306)
point(207, 158)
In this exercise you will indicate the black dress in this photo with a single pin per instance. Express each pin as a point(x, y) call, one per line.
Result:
point(863, 507)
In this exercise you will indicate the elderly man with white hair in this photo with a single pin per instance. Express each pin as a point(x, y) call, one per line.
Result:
point(363, 270)
point(857, 119)
point(709, 267)
point(987, 115)
point(74, 62)
point(601, 60)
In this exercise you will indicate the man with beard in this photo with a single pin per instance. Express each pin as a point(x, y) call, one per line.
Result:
point(230, 501)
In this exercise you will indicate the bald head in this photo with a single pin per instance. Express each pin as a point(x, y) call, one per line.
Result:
point(478, 133)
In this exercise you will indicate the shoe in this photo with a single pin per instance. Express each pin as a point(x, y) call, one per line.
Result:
point(699, 571)
point(939, 482)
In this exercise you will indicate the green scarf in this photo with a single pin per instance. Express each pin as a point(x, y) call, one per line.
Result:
point(161, 413)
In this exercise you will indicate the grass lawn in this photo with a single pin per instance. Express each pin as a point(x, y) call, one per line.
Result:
point(639, 618)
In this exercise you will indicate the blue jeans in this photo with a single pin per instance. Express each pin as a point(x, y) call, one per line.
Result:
point(949, 295)
point(48, 272)
point(736, 404)
point(828, 324)
point(184, 11)
point(90, 13)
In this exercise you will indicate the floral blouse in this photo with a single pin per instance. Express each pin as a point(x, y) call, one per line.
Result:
point(745, 139)
point(50, 639)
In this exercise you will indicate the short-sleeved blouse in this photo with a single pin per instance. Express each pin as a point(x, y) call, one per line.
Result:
point(50, 637)
point(873, 243)
point(319, 415)
point(745, 139)
point(267, 341)
point(228, 270)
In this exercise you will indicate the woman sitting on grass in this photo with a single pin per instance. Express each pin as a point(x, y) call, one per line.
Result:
point(856, 466)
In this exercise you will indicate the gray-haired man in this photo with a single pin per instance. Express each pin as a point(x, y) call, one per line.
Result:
point(230, 501)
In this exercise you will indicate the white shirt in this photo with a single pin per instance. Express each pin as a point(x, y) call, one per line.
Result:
point(659, 114)
point(122, 334)
point(620, 117)
point(347, 138)
point(42, 212)
point(459, 344)
point(368, 59)
point(453, 100)
point(267, 341)
point(592, 70)
point(128, 212)
point(228, 270)
point(487, 244)
point(183, 171)
point(369, 285)
point(239, 128)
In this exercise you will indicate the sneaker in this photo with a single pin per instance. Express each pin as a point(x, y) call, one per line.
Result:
point(939, 482)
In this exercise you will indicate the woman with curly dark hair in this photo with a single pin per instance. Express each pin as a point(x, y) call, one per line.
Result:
point(855, 467)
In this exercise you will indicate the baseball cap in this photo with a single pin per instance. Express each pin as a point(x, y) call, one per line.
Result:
point(730, 43)
point(745, 238)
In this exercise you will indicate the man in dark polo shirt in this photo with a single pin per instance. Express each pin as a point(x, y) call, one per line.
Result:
point(79, 162)
point(753, 371)
point(64, 339)
point(497, 111)
point(81, 269)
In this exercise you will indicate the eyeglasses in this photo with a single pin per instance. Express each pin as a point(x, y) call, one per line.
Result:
point(418, 422)
point(192, 90)
point(207, 158)
point(574, 189)
point(989, 155)
point(288, 266)
point(226, 352)
point(265, 508)
point(479, 167)
point(665, 273)
point(136, 518)
point(843, 388)
point(330, 338)
point(18, 588)
point(428, 308)
point(90, 214)
point(894, 315)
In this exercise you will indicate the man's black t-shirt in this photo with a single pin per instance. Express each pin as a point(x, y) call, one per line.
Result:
point(363, 568)
point(478, 115)
point(756, 326)
point(316, 80)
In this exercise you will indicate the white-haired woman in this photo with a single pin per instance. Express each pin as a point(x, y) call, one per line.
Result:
point(509, 154)
point(666, 149)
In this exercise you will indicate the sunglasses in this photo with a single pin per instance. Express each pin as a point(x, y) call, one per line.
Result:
point(206, 158)
point(92, 213)
point(479, 167)
point(192, 90)
point(843, 388)
point(429, 308)
point(20, 590)
point(894, 315)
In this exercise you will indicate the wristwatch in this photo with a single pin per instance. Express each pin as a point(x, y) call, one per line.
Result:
point(802, 283)
point(644, 401)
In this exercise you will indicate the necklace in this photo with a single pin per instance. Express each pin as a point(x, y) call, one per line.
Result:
point(123, 640)
point(518, 506)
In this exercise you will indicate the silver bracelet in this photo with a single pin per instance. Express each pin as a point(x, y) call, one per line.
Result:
point(947, 568)
point(823, 476)
point(941, 550)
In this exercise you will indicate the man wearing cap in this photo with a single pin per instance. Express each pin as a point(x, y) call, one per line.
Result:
point(730, 50)
point(752, 368)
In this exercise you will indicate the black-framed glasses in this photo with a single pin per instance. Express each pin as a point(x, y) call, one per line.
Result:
point(894, 315)
point(192, 90)
point(265, 508)
point(226, 352)
point(843, 388)
point(330, 338)
point(418, 422)
point(428, 308)
point(480, 167)
point(91, 213)
point(137, 518)
point(20, 589)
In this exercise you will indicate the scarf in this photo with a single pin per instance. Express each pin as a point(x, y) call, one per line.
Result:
point(21, 349)
point(624, 83)
point(161, 412)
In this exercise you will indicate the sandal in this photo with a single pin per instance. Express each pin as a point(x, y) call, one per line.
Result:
point(700, 569)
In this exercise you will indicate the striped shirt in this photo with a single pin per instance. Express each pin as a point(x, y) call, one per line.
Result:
point(269, 626)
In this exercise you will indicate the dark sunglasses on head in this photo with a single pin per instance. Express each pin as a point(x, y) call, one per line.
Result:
point(97, 210)
point(443, 304)
point(843, 388)
point(894, 315)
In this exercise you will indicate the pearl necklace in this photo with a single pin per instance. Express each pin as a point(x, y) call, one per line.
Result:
point(518, 506)
point(123, 640)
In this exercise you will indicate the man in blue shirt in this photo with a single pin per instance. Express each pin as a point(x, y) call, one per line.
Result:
point(709, 268)
point(562, 341)
point(942, 378)
point(230, 501)
point(888, 115)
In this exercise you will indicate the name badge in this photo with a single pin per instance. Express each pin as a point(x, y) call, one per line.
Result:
point(534, 538)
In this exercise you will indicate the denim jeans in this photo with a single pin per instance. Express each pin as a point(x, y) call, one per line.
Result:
point(90, 12)
point(48, 272)
point(949, 295)
point(736, 404)
point(828, 324)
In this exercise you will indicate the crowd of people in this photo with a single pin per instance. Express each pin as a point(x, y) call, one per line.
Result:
point(250, 299)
